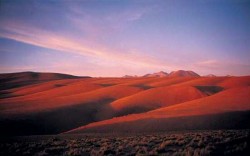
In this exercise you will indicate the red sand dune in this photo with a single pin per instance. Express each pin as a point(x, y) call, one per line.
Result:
point(31, 105)
point(53, 89)
point(232, 82)
point(155, 98)
point(141, 81)
point(227, 101)
point(170, 81)
point(40, 103)
point(204, 81)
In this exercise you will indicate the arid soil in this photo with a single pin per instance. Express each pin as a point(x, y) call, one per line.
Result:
point(215, 142)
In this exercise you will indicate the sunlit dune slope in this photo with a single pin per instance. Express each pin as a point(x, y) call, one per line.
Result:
point(31, 105)
point(232, 82)
point(176, 90)
point(204, 81)
point(225, 82)
point(170, 81)
point(231, 100)
point(235, 99)
point(52, 89)
point(142, 82)
point(112, 81)
point(217, 121)
point(46, 112)
point(155, 98)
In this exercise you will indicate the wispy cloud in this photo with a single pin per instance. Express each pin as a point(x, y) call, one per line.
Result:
point(82, 35)
point(42, 38)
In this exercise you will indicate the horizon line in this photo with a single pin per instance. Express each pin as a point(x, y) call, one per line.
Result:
point(122, 76)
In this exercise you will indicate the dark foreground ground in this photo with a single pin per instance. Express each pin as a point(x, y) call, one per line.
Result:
point(216, 142)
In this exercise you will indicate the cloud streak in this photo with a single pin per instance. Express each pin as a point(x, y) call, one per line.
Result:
point(42, 38)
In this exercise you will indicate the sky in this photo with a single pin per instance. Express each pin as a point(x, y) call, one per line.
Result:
point(112, 38)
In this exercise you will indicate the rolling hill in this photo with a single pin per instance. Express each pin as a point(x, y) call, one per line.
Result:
point(13, 80)
point(47, 103)
point(215, 111)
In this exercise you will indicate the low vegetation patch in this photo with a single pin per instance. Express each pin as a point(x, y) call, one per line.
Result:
point(217, 142)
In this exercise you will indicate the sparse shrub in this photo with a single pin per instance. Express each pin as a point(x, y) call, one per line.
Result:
point(76, 152)
point(192, 143)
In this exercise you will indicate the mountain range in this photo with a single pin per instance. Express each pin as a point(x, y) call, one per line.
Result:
point(178, 73)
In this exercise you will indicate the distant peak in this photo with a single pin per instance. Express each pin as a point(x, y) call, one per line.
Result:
point(158, 74)
point(183, 73)
point(210, 75)
point(163, 72)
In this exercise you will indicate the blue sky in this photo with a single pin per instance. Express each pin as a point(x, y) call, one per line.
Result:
point(115, 38)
